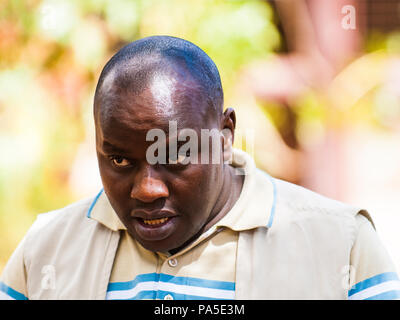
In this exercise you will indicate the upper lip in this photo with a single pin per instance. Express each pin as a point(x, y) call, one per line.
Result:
point(153, 214)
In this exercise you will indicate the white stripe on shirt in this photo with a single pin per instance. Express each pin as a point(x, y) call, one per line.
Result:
point(375, 290)
point(197, 291)
point(130, 293)
point(173, 288)
point(5, 296)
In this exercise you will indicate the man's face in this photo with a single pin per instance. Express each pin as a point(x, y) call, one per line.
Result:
point(162, 205)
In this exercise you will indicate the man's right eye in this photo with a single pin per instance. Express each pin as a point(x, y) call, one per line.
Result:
point(120, 161)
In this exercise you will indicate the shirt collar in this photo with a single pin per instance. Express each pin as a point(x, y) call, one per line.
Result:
point(102, 211)
point(254, 208)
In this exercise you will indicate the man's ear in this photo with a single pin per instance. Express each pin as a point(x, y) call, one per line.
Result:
point(228, 134)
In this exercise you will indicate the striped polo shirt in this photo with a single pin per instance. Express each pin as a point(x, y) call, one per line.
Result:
point(205, 269)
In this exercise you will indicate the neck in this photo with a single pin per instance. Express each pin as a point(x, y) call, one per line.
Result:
point(230, 192)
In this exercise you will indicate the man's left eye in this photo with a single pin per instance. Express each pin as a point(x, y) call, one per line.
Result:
point(120, 161)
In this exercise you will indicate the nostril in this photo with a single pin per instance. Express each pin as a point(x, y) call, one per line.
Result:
point(149, 190)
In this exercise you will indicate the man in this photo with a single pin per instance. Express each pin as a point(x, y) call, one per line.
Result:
point(177, 219)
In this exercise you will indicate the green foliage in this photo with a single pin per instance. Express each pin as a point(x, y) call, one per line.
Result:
point(51, 53)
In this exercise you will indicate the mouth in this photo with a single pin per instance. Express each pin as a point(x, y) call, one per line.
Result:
point(154, 225)
point(153, 218)
point(155, 222)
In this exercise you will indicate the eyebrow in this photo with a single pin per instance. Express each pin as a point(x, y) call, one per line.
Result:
point(107, 146)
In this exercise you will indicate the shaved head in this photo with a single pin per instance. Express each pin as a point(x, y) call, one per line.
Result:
point(156, 63)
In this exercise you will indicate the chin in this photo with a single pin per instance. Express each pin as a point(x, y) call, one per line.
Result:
point(154, 246)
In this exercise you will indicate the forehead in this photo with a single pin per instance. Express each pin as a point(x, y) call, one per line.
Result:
point(166, 97)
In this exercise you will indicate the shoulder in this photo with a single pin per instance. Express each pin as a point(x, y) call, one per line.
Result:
point(302, 200)
point(297, 205)
point(71, 213)
point(61, 225)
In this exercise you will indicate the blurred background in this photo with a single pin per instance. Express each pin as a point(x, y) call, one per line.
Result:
point(318, 82)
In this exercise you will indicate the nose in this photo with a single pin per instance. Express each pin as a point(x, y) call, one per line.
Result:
point(147, 187)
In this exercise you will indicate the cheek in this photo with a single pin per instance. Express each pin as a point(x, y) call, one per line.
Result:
point(195, 190)
point(115, 185)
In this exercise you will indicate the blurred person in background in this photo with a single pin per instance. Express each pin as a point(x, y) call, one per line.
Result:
point(316, 49)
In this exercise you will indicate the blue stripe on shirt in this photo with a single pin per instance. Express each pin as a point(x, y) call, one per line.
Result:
point(118, 286)
point(162, 277)
point(274, 194)
point(198, 282)
point(93, 203)
point(373, 281)
point(11, 292)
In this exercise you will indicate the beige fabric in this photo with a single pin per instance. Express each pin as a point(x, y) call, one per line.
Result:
point(292, 244)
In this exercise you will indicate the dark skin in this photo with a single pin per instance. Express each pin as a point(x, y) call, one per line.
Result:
point(192, 196)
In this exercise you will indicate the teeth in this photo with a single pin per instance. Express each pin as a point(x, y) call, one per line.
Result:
point(155, 221)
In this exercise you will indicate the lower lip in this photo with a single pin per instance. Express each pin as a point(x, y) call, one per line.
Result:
point(154, 232)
